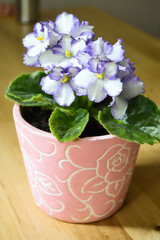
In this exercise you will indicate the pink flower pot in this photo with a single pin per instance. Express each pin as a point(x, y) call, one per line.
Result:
point(80, 181)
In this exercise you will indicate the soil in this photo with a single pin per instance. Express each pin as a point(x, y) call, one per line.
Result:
point(39, 119)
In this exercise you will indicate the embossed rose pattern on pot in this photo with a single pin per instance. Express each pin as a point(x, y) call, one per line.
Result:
point(81, 181)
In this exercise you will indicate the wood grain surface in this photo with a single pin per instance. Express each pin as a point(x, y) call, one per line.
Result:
point(20, 218)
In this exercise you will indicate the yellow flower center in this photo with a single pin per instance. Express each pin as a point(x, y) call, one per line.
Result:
point(40, 38)
point(68, 54)
point(65, 79)
point(100, 75)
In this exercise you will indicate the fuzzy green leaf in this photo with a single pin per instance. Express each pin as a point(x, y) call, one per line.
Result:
point(66, 127)
point(26, 90)
point(79, 102)
point(141, 122)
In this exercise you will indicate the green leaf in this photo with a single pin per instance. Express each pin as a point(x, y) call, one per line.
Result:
point(26, 90)
point(79, 102)
point(30, 103)
point(140, 124)
point(66, 127)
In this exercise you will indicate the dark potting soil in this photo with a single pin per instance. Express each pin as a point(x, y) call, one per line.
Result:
point(39, 119)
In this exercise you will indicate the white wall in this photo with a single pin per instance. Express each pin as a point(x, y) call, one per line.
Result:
point(144, 14)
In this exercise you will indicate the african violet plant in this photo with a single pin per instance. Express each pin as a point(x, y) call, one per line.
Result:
point(84, 77)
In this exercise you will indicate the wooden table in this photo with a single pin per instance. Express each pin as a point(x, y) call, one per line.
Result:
point(20, 218)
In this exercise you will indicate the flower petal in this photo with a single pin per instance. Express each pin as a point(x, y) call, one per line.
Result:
point(48, 59)
point(111, 70)
point(64, 22)
point(93, 64)
point(49, 86)
point(31, 61)
point(56, 73)
point(41, 29)
point(87, 36)
point(107, 48)
point(132, 88)
point(126, 69)
point(84, 77)
point(113, 87)
point(37, 28)
point(79, 91)
point(67, 62)
point(117, 52)
point(29, 40)
point(119, 107)
point(96, 91)
point(83, 31)
point(65, 95)
point(54, 38)
point(78, 45)
point(65, 43)
point(96, 48)
point(83, 58)
point(73, 71)
point(35, 50)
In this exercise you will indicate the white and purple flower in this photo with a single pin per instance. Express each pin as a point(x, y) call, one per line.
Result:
point(76, 64)
point(31, 61)
point(64, 53)
point(59, 83)
point(116, 52)
point(132, 87)
point(100, 80)
point(38, 41)
point(105, 51)
point(69, 24)
point(126, 69)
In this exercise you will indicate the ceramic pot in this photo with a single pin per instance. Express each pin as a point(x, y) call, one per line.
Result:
point(79, 181)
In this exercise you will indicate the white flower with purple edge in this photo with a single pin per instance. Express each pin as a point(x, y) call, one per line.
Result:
point(126, 69)
point(38, 41)
point(31, 61)
point(100, 80)
point(64, 53)
point(96, 68)
point(69, 24)
point(104, 50)
point(59, 83)
point(132, 87)
point(54, 36)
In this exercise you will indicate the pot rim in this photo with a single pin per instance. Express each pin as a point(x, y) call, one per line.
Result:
point(17, 114)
